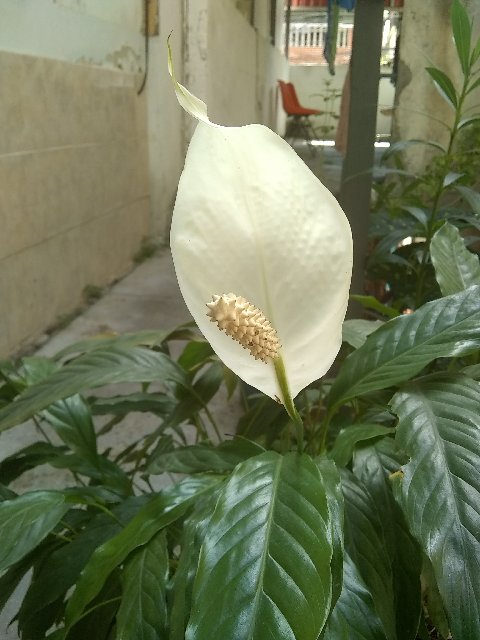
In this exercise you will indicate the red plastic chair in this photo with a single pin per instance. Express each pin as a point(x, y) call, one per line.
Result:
point(298, 117)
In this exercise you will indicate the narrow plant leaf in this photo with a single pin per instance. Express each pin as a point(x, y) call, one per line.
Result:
point(373, 465)
point(157, 514)
point(199, 458)
point(439, 489)
point(27, 458)
point(142, 614)
point(25, 521)
point(456, 268)
point(403, 346)
point(145, 338)
point(369, 302)
point(354, 616)
point(265, 562)
point(55, 577)
point(476, 83)
point(348, 438)
point(401, 145)
point(451, 178)
point(471, 196)
point(444, 85)
point(465, 122)
point(365, 543)
point(158, 403)
point(98, 621)
point(94, 369)
point(355, 332)
point(475, 54)
point(462, 34)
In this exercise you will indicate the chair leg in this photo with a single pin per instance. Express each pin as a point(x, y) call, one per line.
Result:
point(307, 131)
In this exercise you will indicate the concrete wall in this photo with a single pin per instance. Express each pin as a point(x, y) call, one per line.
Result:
point(87, 167)
point(73, 156)
point(426, 41)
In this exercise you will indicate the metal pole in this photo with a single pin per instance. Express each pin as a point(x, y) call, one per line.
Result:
point(356, 184)
point(287, 26)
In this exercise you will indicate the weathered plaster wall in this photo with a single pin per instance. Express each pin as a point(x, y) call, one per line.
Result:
point(231, 63)
point(87, 167)
point(74, 200)
point(426, 41)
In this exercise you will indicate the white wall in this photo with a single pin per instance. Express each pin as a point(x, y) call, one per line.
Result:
point(309, 81)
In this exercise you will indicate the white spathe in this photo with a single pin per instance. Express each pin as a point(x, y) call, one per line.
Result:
point(251, 219)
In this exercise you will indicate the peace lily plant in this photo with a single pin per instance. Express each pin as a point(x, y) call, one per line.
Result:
point(199, 531)
point(263, 255)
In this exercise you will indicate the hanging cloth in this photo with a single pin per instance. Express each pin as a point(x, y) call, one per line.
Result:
point(330, 50)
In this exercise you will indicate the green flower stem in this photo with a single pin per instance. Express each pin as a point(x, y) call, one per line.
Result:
point(421, 273)
point(288, 401)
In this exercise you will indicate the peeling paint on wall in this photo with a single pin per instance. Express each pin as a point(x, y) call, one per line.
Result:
point(106, 33)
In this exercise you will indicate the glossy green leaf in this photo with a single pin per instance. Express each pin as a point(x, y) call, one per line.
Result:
point(373, 465)
point(27, 458)
point(195, 354)
point(25, 521)
point(143, 610)
point(265, 562)
point(462, 34)
point(456, 268)
point(365, 543)
point(99, 619)
point(333, 490)
point(162, 510)
point(193, 536)
point(94, 369)
point(355, 332)
point(192, 399)
point(403, 346)
point(433, 600)
point(71, 420)
point(444, 85)
point(354, 616)
point(198, 458)
point(264, 418)
point(439, 489)
point(348, 438)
